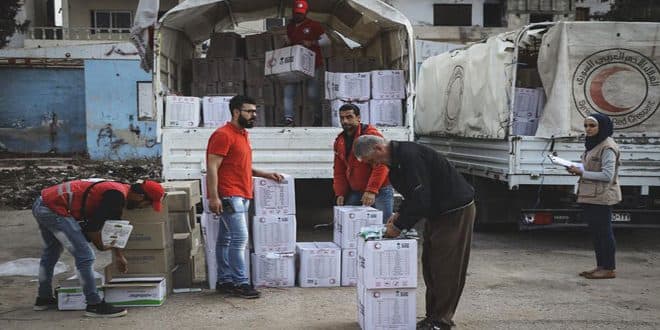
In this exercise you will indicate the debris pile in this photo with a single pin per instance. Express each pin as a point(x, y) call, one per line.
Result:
point(21, 180)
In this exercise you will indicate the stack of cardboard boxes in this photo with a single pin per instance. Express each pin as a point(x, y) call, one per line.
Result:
point(183, 196)
point(528, 108)
point(348, 220)
point(379, 95)
point(387, 281)
point(260, 87)
point(274, 233)
point(150, 256)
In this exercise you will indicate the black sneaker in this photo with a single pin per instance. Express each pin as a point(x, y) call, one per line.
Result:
point(43, 304)
point(225, 288)
point(246, 291)
point(104, 309)
point(423, 324)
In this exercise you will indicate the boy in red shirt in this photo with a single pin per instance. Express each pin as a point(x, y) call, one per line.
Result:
point(309, 33)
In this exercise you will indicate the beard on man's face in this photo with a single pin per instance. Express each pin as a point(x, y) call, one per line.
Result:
point(245, 123)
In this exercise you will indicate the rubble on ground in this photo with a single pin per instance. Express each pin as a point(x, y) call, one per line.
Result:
point(21, 180)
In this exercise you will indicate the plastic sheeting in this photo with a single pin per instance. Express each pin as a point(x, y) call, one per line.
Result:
point(606, 67)
point(464, 92)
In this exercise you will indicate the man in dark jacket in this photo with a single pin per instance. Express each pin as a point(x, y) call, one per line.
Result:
point(434, 190)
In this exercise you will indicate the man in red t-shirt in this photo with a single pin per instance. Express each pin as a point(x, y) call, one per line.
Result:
point(229, 182)
point(309, 33)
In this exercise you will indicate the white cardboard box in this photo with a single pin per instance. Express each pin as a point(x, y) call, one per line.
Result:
point(527, 102)
point(320, 264)
point(336, 104)
point(386, 308)
point(386, 112)
point(136, 291)
point(388, 263)
point(349, 220)
point(290, 64)
point(349, 272)
point(70, 296)
point(388, 84)
point(182, 111)
point(273, 270)
point(276, 234)
point(274, 198)
point(215, 110)
point(347, 86)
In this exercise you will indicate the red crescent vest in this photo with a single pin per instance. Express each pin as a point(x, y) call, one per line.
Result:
point(65, 199)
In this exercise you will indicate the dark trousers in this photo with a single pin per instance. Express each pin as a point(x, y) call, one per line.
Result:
point(599, 218)
point(445, 256)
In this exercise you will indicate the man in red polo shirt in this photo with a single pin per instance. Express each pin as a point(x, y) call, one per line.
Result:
point(357, 183)
point(309, 33)
point(229, 182)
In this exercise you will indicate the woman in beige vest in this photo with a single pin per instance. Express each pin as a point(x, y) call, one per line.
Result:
point(598, 190)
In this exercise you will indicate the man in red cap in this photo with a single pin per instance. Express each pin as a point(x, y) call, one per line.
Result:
point(309, 33)
point(70, 215)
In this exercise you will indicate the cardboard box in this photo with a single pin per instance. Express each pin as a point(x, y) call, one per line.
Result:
point(528, 78)
point(348, 220)
point(200, 70)
point(184, 274)
point(320, 264)
point(191, 187)
point(336, 104)
point(226, 45)
point(524, 126)
point(349, 264)
point(280, 39)
point(367, 63)
point(256, 45)
point(147, 214)
point(182, 111)
point(274, 234)
point(231, 88)
point(529, 103)
point(210, 88)
point(180, 221)
point(148, 236)
point(183, 247)
point(148, 261)
point(70, 296)
point(388, 84)
point(196, 236)
point(389, 263)
point(231, 69)
point(262, 91)
point(386, 112)
point(215, 110)
point(274, 198)
point(290, 64)
point(213, 65)
point(273, 270)
point(341, 64)
point(178, 201)
point(136, 291)
point(254, 70)
point(347, 86)
point(386, 308)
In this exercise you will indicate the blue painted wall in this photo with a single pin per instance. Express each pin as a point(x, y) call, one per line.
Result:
point(113, 129)
point(42, 110)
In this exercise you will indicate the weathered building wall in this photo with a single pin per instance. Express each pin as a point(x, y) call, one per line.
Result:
point(113, 129)
point(42, 110)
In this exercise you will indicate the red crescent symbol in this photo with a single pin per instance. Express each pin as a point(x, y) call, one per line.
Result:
point(596, 90)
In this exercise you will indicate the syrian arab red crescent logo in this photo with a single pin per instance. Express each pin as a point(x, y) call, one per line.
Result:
point(621, 83)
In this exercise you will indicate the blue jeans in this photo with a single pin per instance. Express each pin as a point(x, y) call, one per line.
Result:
point(313, 97)
point(384, 200)
point(60, 232)
point(232, 241)
point(599, 218)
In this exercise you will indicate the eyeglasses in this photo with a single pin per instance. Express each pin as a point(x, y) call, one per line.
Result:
point(590, 125)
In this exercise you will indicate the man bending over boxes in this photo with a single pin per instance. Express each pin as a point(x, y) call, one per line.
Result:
point(72, 213)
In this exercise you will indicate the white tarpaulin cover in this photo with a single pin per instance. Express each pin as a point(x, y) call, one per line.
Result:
point(464, 92)
point(606, 67)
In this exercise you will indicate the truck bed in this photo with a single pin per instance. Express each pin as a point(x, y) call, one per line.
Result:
point(522, 160)
point(303, 152)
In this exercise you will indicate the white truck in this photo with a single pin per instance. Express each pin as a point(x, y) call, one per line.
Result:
point(498, 108)
point(303, 152)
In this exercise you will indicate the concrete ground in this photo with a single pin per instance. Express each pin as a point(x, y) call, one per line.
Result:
point(516, 281)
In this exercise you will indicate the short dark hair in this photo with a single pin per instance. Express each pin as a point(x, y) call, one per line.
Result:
point(237, 102)
point(350, 106)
